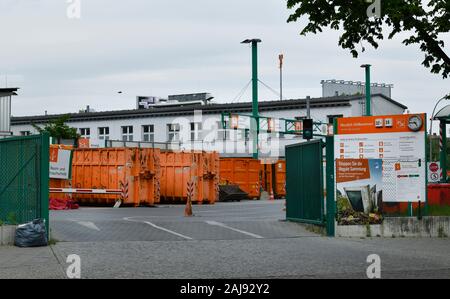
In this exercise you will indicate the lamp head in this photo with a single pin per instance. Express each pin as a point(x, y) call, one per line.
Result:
point(250, 41)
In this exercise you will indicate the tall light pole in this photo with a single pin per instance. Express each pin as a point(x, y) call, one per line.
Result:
point(281, 57)
point(255, 106)
point(368, 90)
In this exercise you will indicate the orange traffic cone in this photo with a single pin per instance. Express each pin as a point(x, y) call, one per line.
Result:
point(188, 209)
point(272, 197)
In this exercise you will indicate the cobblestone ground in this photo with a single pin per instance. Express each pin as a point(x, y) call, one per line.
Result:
point(226, 240)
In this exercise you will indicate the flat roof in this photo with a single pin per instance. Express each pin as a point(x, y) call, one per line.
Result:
point(8, 91)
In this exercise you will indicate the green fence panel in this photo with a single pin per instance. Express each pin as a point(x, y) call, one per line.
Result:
point(304, 183)
point(24, 179)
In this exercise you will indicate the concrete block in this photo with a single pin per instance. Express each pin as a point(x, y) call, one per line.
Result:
point(7, 235)
point(410, 227)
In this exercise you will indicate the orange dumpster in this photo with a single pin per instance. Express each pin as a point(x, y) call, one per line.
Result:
point(439, 194)
point(273, 178)
point(135, 171)
point(189, 173)
point(244, 172)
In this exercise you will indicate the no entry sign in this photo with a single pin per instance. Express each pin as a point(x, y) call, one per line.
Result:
point(434, 172)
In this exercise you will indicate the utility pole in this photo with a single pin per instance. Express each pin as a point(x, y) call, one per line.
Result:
point(308, 107)
point(255, 106)
point(281, 57)
point(368, 90)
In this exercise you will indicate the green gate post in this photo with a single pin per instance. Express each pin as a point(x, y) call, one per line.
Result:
point(255, 81)
point(44, 188)
point(368, 90)
point(331, 203)
point(255, 106)
point(443, 145)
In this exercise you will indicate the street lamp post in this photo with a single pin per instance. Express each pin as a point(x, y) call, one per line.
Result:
point(255, 106)
point(368, 90)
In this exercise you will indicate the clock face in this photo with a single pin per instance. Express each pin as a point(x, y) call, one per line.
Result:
point(415, 123)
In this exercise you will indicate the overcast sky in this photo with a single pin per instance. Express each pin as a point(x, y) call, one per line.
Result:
point(160, 47)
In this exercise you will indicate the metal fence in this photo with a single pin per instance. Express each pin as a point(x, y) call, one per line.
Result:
point(24, 179)
point(304, 183)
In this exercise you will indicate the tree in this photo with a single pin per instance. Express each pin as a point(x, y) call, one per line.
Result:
point(423, 21)
point(58, 129)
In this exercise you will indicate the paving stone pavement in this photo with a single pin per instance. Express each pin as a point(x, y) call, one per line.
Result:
point(227, 240)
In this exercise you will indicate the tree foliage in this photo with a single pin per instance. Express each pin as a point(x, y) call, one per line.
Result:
point(58, 129)
point(424, 22)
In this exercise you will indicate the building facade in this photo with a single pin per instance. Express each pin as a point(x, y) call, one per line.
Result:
point(332, 88)
point(5, 110)
point(200, 125)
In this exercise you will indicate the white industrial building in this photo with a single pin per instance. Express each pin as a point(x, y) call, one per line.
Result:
point(5, 110)
point(187, 121)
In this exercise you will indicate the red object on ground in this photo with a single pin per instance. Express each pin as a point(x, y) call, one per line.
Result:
point(439, 194)
point(58, 204)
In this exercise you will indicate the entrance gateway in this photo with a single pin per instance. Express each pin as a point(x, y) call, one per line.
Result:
point(304, 182)
point(375, 167)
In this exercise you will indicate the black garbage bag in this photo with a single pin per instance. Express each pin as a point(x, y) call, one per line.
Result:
point(31, 234)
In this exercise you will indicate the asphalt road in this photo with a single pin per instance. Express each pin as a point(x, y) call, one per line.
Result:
point(229, 240)
point(223, 221)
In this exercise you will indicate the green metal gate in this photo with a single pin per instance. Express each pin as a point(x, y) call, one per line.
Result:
point(24, 179)
point(304, 182)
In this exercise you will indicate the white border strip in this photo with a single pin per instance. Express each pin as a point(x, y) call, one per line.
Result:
point(215, 223)
point(160, 228)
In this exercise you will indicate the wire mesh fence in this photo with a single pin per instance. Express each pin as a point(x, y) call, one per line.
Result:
point(24, 179)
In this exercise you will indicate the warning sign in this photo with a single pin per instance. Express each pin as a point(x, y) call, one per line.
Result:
point(60, 163)
point(434, 172)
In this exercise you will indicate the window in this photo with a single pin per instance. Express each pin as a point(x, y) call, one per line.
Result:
point(85, 133)
point(222, 134)
point(196, 131)
point(173, 132)
point(331, 118)
point(25, 133)
point(363, 107)
point(103, 133)
point(127, 133)
point(148, 133)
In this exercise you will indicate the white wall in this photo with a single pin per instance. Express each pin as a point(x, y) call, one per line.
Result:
point(160, 123)
point(379, 105)
point(210, 125)
point(5, 114)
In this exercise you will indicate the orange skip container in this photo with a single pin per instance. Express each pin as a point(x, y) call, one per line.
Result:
point(189, 173)
point(244, 172)
point(135, 171)
point(274, 178)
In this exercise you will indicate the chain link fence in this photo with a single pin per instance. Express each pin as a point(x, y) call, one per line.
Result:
point(24, 167)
